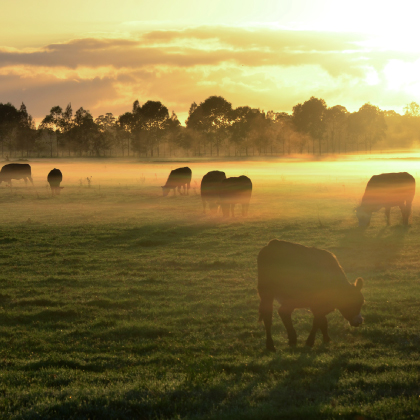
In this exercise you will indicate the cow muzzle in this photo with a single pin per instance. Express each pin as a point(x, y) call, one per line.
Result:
point(357, 321)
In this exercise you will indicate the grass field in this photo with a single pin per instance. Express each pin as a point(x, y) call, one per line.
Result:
point(118, 303)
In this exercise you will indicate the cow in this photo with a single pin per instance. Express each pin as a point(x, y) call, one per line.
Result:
point(210, 189)
point(180, 177)
point(16, 171)
point(54, 178)
point(387, 190)
point(298, 276)
point(235, 190)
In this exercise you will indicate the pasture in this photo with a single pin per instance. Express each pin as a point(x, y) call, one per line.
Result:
point(118, 303)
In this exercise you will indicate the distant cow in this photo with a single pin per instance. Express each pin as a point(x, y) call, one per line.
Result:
point(210, 189)
point(54, 179)
point(178, 178)
point(302, 277)
point(235, 190)
point(16, 171)
point(387, 190)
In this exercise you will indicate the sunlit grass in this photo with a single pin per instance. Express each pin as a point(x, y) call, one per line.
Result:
point(116, 302)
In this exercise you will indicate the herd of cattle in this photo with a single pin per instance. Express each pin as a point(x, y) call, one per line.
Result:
point(294, 275)
point(23, 171)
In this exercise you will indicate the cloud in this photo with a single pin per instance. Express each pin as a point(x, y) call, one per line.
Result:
point(211, 46)
point(265, 68)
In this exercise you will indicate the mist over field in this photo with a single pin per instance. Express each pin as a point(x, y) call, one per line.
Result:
point(283, 189)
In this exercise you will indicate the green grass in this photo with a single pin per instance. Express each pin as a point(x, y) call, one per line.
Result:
point(117, 303)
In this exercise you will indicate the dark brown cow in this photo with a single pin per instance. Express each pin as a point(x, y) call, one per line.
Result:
point(387, 190)
point(210, 189)
point(180, 177)
point(16, 171)
point(302, 277)
point(235, 190)
point(54, 178)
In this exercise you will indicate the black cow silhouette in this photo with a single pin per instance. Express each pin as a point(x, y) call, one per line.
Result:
point(302, 277)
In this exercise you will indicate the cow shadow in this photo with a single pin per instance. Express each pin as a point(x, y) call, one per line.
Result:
point(299, 388)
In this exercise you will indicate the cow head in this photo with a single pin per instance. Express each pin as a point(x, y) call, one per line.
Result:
point(165, 191)
point(353, 304)
point(363, 216)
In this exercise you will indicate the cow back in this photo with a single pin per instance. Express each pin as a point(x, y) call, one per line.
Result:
point(294, 271)
point(16, 170)
point(236, 189)
point(179, 176)
point(55, 177)
point(388, 189)
point(210, 184)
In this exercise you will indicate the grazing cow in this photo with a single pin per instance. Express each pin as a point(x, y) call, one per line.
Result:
point(304, 277)
point(387, 190)
point(235, 190)
point(210, 189)
point(54, 179)
point(178, 178)
point(16, 171)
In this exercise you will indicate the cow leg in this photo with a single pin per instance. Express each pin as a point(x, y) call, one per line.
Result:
point(188, 188)
point(387, 215)
point(26, 181)
point(286, 317)
point(323, 326)
point(266, 315)
point(204, 206)
point(245, 209)
point(320, 322)
point(405, 211)
point(30, 179)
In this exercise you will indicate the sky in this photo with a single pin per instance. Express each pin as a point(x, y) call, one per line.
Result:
point(273, 54)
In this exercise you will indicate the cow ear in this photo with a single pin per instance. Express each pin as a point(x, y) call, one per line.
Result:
point(358, 283)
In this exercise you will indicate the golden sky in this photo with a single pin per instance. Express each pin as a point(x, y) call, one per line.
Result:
point(272, 54)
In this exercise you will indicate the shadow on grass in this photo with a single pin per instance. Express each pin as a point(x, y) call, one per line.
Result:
point(155, 235)
point(47, 315)
point(297, 389)
point(357, 247)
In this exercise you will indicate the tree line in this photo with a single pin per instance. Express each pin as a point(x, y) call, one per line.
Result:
point(213, 128)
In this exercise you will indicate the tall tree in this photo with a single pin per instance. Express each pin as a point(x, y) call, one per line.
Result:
point(107, 131)
point(149, 125)
point(25, 135)
point(412, 109)
point(56, 125)
point(173, 130)
point(212, 117)
point(125, 126)
point(84, 132)
point(10, 118)
point(373, 125)
point(308, 118)
point(335, 119)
